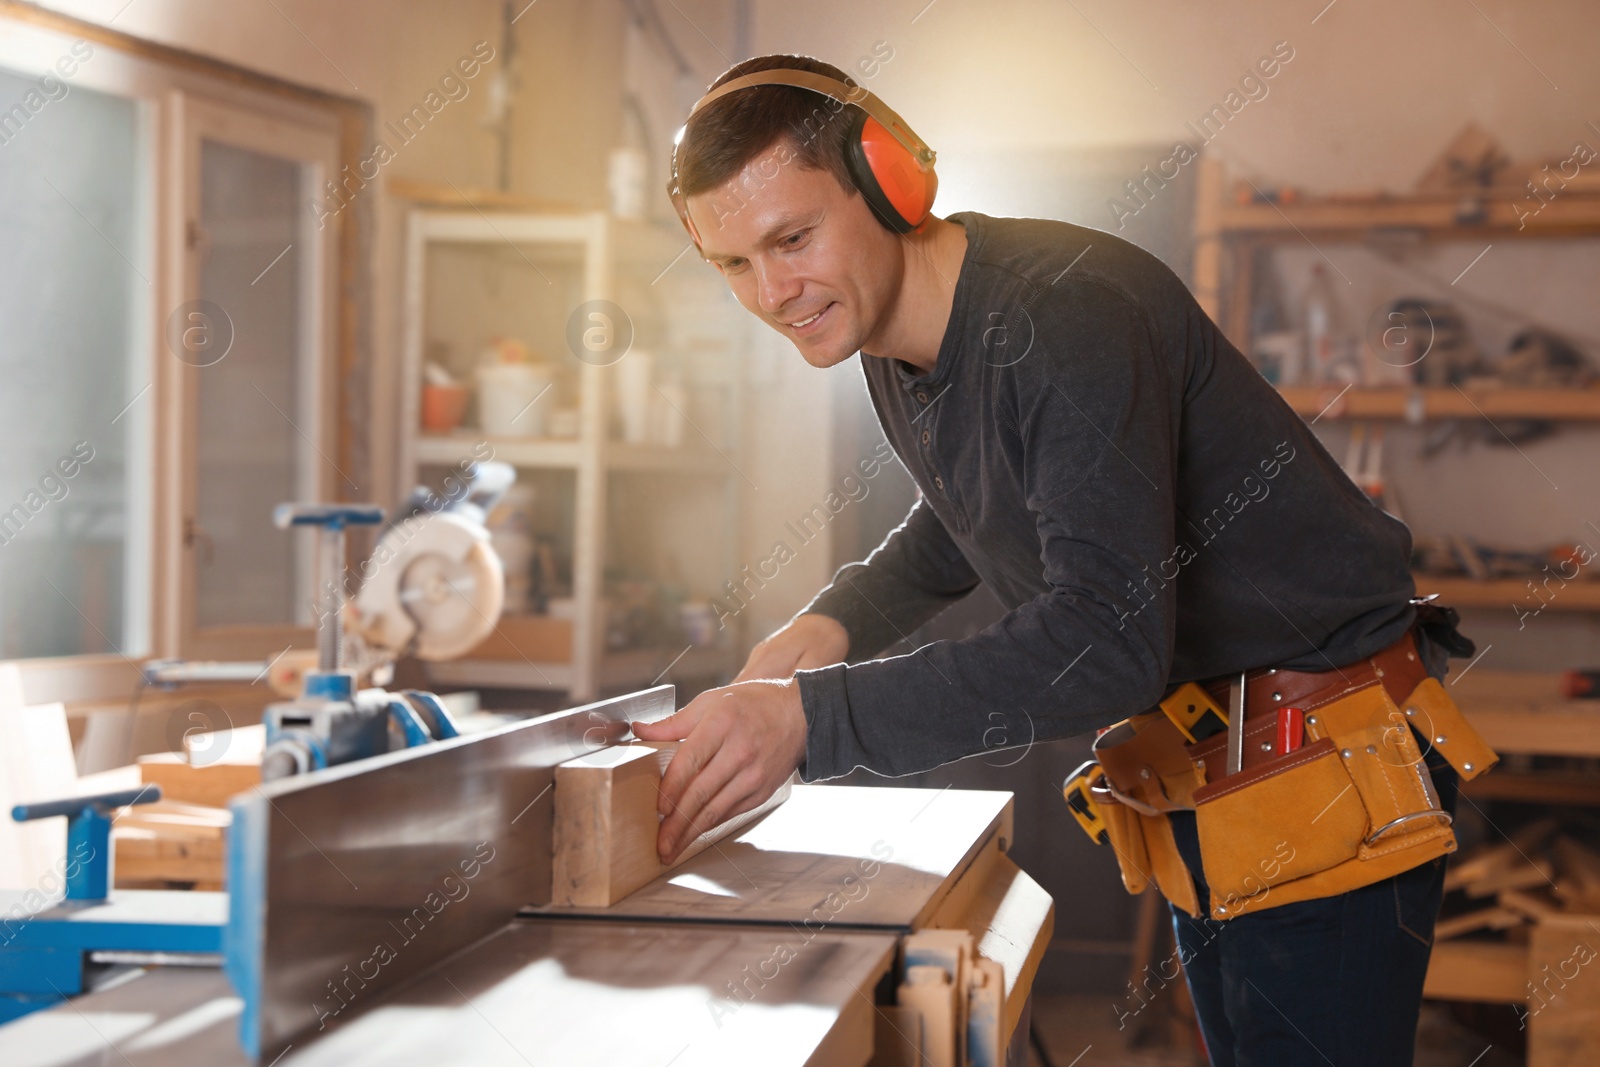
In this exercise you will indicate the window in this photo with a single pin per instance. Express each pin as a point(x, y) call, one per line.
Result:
point(75, 286)
point(169, 340)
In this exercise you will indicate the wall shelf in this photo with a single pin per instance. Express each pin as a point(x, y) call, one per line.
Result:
point(1507, 592)
point(1490, 211)
point(1418, 404)
point(618, 671)
point(446, 450)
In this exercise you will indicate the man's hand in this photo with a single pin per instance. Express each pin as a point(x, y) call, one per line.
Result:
point(740, 743)
point(808, 641)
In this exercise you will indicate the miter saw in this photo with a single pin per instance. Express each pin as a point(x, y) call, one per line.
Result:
point(433, 588)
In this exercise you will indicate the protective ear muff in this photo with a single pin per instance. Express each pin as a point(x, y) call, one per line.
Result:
point(897, 189)
point(887, 161)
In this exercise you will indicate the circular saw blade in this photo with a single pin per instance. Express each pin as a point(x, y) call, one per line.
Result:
point(454, 603)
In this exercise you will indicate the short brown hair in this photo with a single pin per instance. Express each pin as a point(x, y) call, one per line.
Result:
point(728, 133)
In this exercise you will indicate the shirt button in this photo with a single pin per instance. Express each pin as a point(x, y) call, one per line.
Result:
point(922, 397)
point(926, 436)
point(938, 483)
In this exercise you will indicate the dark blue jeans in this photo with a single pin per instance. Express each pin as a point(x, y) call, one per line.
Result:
point(1335, 982)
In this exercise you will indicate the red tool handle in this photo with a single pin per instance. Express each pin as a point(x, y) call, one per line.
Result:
point(1291, 730)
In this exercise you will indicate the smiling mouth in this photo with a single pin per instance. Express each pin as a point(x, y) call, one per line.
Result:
point(802, 325)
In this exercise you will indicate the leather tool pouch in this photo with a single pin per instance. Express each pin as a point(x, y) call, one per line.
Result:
point(1353, 806)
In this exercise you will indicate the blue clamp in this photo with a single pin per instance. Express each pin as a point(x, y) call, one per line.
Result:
point(440, 724)
point(88, 827)
point(332, 516)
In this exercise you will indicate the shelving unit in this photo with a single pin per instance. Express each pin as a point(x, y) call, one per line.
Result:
point(1227, 233)
point(523, 272)
point(1227, 237)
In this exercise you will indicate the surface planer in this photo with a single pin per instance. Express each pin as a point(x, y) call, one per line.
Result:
point(397, 910)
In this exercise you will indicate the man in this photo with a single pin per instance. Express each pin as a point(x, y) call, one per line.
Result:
point(1149, 511)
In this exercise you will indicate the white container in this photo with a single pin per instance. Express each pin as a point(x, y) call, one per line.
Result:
point(634, 374)
point(671, 408)
point(628, 179)
point(506, 399)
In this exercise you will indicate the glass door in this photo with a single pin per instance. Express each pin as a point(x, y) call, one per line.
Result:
point(255, 339)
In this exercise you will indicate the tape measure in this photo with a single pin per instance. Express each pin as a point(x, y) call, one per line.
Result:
point(1075, 790)
point(1194, 713)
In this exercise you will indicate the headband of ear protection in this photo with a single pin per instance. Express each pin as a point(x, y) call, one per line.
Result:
point(888, 163)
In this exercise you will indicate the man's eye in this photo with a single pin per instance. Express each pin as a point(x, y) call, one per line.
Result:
point(794, 240)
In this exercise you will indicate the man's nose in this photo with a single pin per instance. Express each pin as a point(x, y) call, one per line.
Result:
point(775, 286)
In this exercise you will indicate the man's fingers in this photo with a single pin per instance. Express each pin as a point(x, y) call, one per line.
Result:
point(690, 811)
point(674, 727)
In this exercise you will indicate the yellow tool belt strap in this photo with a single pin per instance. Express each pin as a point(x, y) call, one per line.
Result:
point(1354, 805)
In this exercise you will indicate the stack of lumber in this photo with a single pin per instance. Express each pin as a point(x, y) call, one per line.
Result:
point(1528, 937)
point(170, 845)
point(1532, 876)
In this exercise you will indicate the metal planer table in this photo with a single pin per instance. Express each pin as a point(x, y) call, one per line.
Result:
point(396, 911)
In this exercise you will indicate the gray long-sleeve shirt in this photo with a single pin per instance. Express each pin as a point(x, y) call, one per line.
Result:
point(1140, 499)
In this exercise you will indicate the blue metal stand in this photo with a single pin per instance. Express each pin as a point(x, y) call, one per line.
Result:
point(47, 934)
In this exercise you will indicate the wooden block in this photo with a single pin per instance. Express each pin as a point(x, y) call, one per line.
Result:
point(1525, 876)
point(1478, 971)
point(929, 991)
point(1563, 996)
point(1534, 906)
point(951, 950)
point(986, 1003)
point(897, 1037)
point(1497, 918)
point(1579, 882)
point(606, 824)
point(209, 786)
point(170, 842)
point(832, 854)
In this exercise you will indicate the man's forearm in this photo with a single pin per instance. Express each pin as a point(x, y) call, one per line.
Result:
point(914, 575)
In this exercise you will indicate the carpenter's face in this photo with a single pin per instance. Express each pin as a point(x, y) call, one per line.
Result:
point(802, 253)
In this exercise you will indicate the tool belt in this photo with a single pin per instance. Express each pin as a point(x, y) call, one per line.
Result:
point(1354, 804)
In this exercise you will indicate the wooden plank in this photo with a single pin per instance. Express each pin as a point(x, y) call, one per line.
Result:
point(1563, 996)
point(929, 991)
point(1569, 213)
point(1208, 202)
point(436, 194)
point(1011, 919)
point(1398, 402)
point(606, 824)
point(1481, 971)
point(36, 763)
point(1492, 918)
point(832, 856)
point(1524, 711)
point(1569, 790)
point(209, 786)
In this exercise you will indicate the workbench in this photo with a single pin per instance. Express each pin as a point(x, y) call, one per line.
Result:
point(747, 953)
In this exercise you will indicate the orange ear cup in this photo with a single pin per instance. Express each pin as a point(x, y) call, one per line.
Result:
point(897, 188)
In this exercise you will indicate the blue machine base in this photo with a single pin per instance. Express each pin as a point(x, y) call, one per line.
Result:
point(44, 950)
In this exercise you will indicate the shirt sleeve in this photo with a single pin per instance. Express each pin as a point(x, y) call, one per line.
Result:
point(915, 574)
point(1097, 428)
